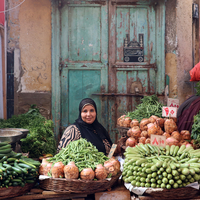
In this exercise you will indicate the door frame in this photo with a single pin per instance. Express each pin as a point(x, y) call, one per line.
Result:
point(56, 55)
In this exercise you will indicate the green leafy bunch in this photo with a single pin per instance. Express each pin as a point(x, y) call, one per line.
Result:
point(195, 131)
point(198, 89)
point(149, 106)
point(40, 139)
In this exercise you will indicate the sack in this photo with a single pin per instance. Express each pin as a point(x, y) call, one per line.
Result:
point(195, 73)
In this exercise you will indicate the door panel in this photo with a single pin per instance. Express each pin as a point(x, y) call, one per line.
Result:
point(84, 57)
point(132, 19)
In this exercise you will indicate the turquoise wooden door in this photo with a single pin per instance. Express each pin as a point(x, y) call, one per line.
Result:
point(136, 28)
point(88, 57)
point(84, 57)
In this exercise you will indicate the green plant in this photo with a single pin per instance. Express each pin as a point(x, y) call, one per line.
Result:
point(198, 89)
point(40, 139)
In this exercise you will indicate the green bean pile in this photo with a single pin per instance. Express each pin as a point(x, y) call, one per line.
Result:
point(82, 152)
point(149, 106)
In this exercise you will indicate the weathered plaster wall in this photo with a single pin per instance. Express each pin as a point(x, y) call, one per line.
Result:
point(178, 40)
point(30, 31)
point(184, 49)
point(171, 47)
point(29, 35)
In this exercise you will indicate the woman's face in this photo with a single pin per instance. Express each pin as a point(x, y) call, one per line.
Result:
point(88, 114)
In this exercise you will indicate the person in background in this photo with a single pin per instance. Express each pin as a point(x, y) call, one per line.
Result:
point(88, 127)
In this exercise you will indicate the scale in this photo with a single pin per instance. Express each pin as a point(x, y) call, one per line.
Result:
point(13, 136)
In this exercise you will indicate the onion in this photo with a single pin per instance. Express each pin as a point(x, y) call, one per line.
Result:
point(172, 141)
point(154, 129)
point(176, 135)
point(134, 122)
point(148, 140)
point(126, 122)
point(57, 170)
point(144, 134)
point(135, 132)
point(131, 142)
point(185, 135)
point(167, 135)
point(100, 172)
point(188, 145)
point(45, 167)
point(87, 174)
point(71, 171)
point(143, 124)
point(116, 163)
point(142, 140)
point(160, 122)
point(170, 126)
point(153, 118)
point(120, 120)
point(112, 166)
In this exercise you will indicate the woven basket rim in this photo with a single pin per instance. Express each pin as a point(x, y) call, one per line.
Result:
point(174, 193)
point(77, 185)
point(15, 190)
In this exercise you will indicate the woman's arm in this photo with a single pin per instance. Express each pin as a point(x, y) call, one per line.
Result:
point(107, 145)
point(71, 133)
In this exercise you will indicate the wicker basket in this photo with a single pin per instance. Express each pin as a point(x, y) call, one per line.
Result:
point(11, 191)
point(77, 185)
point(167, 194)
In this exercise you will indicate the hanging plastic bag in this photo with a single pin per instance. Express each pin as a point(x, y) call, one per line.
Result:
point(195, 73)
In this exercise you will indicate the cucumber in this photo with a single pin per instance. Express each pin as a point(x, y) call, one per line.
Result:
point(193, 160)
point(5, 147)
point(30, 181)
point(19, 171)
point(3, 159)
point(159, 164)
point(23, 169)
point(172, 165)
point(172, 149)
point(11, 160)
point(7, 166)
point(2, 168)
point(167, 150)
point(180, 151)
point(175, 150)
point(140, 161)
point(15, 183)
point(154, 168)
point(192, 171)
point(152, 150)
point(5, 151)
point(185, 171)
point(3, 143)
point(184, 165)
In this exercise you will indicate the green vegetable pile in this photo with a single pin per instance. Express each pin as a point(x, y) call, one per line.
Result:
point(150, 106)
point(16, 169)
point(197, 89)
point(195, 131)
point(170, 167)
point(40, 139)
point(82, 152)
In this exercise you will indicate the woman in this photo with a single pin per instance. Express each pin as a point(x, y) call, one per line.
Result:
point(88, 127)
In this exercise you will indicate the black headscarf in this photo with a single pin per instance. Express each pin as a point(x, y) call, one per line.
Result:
point(95, 132)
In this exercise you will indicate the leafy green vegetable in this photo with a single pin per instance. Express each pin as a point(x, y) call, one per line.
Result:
point(40, 139)
point(150, 106)
point(197, 89)
point(195, 131)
